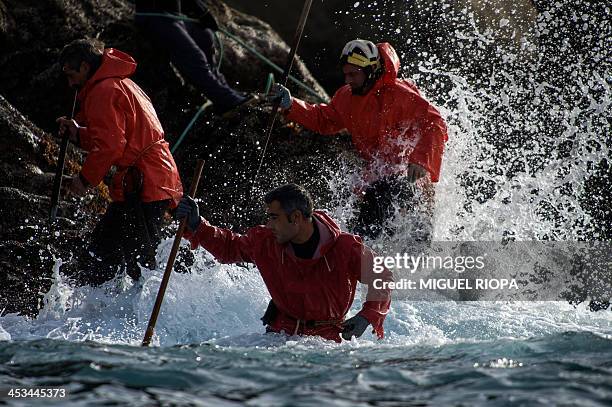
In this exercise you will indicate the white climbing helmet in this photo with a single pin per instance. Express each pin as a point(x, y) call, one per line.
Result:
point(362, 53)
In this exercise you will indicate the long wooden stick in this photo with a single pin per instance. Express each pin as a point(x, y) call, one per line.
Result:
point(175, 246)
point(59, 173)
point(286, 72)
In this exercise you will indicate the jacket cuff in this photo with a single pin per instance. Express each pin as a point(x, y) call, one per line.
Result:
point(77, 138)
point(290, 113)
point(195, 237)
point(191, 236)
point(375, 318)
point(83, 139)
point(422, 159)
point(287, 112)
point(89, 174)
point(86, 183)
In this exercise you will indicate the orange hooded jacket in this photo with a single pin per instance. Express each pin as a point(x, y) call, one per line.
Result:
point(317, 289)
point(121, 128)
point(392, 122)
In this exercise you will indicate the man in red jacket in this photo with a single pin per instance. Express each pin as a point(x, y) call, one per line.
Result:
point(397, 131)
point(308, 264)
point(118, 127)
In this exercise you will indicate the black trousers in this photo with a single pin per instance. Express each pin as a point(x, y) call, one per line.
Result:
point(379, 204)
point(125, 237)
point(192, 51)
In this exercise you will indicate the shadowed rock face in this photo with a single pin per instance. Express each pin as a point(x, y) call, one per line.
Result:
point(34, 93)
point(31, 80)
point(28, 243)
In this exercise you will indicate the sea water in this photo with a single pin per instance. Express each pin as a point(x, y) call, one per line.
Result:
point(210, 349)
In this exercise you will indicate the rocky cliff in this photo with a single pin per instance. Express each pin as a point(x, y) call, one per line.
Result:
point(34, 92)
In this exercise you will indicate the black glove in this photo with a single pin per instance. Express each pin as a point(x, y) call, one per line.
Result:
point(354, 326)
point(270, 314)
point(281, 94)
point(188, 208)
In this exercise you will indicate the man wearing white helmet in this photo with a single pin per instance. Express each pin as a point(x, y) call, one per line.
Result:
point(395, 129)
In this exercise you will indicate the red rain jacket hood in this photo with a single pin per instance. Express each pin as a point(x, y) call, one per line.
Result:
point(121, 129)
point(317, 289)
point(391, 125)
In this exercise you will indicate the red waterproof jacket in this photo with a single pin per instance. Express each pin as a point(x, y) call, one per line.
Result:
point(392, 122)
point(121, 128)
point(317, 289)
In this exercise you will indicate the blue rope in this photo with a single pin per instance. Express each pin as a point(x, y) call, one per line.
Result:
point(273, 65)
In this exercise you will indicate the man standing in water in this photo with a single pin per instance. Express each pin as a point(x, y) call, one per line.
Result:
point(119, 128)
point(397, 131)
point(308, 264)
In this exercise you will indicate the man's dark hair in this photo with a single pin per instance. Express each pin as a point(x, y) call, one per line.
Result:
point(85, 50)
point(291, 197)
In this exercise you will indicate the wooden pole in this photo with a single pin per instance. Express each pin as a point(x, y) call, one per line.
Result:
point(59, 173)
point(175, 246)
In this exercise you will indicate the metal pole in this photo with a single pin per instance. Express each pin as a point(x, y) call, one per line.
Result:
point(284, 77)
point(59, 173)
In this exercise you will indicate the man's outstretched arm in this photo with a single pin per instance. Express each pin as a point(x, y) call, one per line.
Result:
point(226, 246)
point(321, 118)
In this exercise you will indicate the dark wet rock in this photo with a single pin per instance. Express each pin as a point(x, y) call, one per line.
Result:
point(237, 62)
point(6, 24)
point(29, 246)
point(411, 26)
point(28, 242)
point(29, 77)
point(31, 80)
